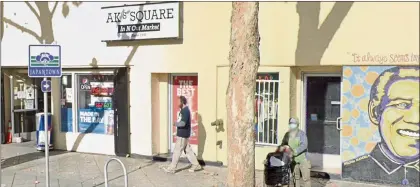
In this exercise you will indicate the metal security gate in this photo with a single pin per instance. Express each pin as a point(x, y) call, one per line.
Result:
point(266, 101)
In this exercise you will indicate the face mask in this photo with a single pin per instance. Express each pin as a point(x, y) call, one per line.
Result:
point(292, 126)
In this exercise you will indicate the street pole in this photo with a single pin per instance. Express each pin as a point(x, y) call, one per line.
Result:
point(1, 95)
point(46, 143)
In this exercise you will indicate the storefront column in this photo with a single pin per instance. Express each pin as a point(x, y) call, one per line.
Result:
point(59, 138)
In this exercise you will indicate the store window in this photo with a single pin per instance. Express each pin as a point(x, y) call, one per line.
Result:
point(66, 103)
point(266, 108)
point(95, 112)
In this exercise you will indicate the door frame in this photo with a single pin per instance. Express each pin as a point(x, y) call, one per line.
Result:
point(305, 75)
point(170, 106)
point(13, 110)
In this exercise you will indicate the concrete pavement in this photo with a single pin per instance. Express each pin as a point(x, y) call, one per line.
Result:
point(23, 166)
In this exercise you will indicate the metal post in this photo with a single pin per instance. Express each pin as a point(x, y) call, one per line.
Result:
point(46, 143)
point(106, 171)
point(1, 121)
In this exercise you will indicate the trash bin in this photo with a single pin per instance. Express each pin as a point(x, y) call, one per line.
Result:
point(40, 133)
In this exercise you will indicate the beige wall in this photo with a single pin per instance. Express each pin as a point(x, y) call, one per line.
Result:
point(381, 30)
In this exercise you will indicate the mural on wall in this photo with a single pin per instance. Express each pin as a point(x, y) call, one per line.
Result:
point(380, 136)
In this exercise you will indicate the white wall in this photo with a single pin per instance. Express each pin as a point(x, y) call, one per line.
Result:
point(80, 38)
point(79, 35)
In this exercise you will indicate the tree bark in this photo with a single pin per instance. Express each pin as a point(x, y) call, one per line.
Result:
point(244, 60)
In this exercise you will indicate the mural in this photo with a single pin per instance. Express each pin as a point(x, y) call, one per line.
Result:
point(380, 136)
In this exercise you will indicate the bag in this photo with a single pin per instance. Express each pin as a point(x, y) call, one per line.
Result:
point(179, 122)
point(275, 172)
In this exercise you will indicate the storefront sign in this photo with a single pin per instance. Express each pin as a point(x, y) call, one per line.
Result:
point(93, 120)
point(186, 86)
point(85, 85)
point(105, 105)
point(102, 88)
point(141, 21)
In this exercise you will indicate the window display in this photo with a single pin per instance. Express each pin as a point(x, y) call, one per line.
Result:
point(266, 107)
point(95, 112)
point(66, 103)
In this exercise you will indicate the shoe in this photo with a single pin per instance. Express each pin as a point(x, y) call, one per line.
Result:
point(168, 169)
point(195, 168)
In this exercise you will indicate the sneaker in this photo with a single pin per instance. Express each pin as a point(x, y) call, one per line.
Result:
point(195, 168)
point(168, 169)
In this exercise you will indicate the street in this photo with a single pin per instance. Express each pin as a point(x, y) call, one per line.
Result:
point(23, 166)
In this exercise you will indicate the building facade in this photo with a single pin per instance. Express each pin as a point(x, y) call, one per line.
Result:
point(348, 71)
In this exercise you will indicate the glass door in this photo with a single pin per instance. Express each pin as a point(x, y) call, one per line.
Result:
point(322, 109)
point(24, 105)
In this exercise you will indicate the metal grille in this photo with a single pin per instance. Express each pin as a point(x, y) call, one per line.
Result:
point(266, 101)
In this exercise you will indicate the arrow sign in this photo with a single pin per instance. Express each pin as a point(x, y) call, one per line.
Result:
point(46, 86)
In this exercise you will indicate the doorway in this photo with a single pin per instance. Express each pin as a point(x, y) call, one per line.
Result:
point(321, 114)
point(25, 97)
point(184, 85)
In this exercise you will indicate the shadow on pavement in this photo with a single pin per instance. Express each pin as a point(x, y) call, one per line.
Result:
point(20, 159)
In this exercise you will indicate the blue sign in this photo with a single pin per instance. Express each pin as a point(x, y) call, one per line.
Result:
point(46, 86)
point(44, 61)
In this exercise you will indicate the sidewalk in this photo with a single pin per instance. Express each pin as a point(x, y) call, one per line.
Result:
point(23, 166)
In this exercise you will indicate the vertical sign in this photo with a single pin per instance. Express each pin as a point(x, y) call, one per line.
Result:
point(45, 61)
point(186, 86)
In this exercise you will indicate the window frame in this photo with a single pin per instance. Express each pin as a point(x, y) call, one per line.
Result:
point(277, 88)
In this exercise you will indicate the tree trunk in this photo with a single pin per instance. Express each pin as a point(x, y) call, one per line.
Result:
point(244, 60)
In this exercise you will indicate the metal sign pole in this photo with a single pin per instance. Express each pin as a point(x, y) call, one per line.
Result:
point(1, 121)
point(45, 62)
point(46, 143)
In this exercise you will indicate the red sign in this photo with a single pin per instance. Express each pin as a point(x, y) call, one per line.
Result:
point(99, 91)
point(186, 86)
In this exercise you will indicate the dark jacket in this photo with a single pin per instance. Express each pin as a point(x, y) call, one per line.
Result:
point(185, 116)
point(377, 167)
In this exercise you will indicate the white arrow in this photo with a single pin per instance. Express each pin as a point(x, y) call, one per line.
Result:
point(46, 86)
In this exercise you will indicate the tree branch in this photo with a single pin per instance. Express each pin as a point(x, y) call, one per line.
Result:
point(131, 55)
point(32, 9)
point(22, 28)
point(54, 8)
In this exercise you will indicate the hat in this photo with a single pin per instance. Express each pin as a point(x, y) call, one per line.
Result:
point(293, 121)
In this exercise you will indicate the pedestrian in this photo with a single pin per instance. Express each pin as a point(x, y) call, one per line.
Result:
point(297, 140)
point(182, 144)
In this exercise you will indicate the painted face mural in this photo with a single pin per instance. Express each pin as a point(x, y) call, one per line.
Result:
point(394, 106)
point(381, 124)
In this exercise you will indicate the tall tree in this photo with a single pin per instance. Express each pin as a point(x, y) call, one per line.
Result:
point(244, 60)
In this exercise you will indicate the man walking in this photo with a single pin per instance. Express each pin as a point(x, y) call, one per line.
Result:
point(182, 144)
point(297, 140)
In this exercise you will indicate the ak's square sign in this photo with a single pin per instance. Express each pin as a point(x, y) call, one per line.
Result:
point(141, 21)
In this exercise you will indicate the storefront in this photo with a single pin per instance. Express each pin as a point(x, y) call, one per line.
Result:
point(124, 72)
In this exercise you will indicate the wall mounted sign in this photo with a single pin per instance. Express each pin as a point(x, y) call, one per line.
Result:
point(141, 21)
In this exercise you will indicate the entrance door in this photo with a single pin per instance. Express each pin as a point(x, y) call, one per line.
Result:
point(322, 110)
point(121, 113)
point(25, 96)
point(184, 85)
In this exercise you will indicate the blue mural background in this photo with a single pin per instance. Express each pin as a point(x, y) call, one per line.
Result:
point(359, 136)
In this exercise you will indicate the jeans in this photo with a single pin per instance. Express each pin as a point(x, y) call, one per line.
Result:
point(182, 145)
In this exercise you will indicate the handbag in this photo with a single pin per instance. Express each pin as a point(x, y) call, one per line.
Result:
point(179, 122)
